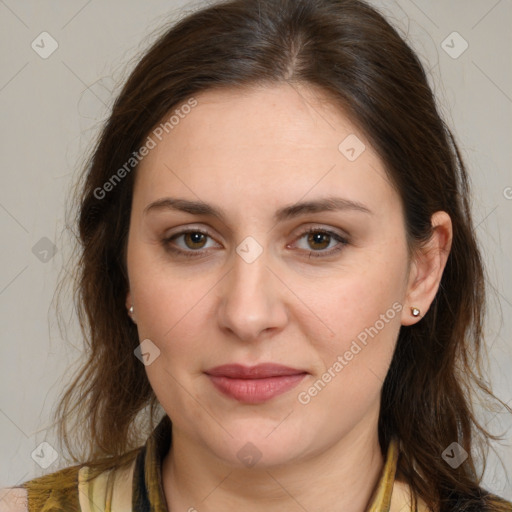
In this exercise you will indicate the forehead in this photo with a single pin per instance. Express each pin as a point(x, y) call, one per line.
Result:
point(272, 144)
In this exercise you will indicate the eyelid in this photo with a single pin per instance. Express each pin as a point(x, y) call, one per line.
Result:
point(319, 227)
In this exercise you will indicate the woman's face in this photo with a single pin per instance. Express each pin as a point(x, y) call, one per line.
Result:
point(248, 285)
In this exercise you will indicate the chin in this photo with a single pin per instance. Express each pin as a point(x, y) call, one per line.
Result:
point(262, 445)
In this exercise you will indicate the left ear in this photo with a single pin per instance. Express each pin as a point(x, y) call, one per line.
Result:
point(427, 268)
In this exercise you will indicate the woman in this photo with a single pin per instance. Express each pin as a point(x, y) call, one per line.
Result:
point(278, 254)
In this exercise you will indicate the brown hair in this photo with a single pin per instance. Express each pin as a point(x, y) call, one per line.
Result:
point(349, 51)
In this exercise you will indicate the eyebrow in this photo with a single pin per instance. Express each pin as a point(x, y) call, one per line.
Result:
point(287, 212)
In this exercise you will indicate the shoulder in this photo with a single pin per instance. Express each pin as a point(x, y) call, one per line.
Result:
point(401, 500)
point(110, 490)
point(54, 491)
point(494, 503)
point(13, 499)
point(73, 489)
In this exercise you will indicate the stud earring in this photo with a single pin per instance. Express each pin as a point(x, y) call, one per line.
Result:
point(415, 311)
point(130, 314)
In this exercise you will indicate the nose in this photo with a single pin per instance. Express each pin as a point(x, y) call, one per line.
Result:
point(253, 300)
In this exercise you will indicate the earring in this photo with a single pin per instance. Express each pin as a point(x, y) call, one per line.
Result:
point(130, 313)
point(415, 311)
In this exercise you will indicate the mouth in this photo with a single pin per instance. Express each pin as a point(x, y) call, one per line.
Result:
point(254, 384)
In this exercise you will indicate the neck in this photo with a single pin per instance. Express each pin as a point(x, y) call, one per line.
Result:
point(343, 477)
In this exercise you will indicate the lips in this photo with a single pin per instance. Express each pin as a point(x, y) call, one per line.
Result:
point(260, 371)
point(254, 384)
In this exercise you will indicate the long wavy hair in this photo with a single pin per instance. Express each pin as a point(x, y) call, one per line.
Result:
point(348, 50)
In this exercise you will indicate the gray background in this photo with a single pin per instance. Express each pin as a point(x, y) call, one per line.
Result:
point(53, 107)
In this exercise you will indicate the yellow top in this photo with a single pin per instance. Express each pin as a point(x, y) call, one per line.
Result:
point(137, 485)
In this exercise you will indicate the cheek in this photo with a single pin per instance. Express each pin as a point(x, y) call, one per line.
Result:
point(356, 301)
point(353, 360)
point(171, 307)
point(361, 318)
point(173, 313)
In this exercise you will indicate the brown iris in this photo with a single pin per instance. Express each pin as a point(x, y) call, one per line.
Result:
point(195, 238)
point(314, 238)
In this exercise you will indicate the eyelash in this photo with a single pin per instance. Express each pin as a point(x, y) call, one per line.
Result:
point(166, 242)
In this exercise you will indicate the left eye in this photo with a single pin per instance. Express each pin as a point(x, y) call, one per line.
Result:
point(322, 240)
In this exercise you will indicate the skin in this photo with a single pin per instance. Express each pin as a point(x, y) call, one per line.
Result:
point(251, 152)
